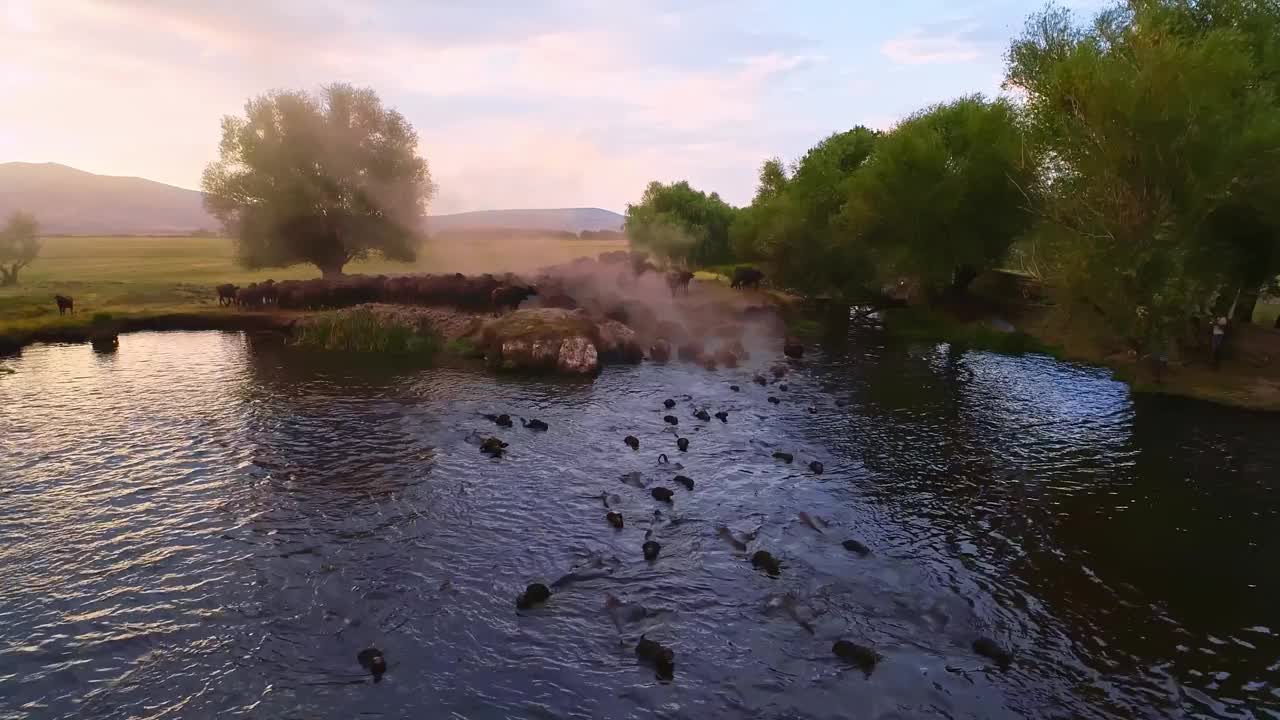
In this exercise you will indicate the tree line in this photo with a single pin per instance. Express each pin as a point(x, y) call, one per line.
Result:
point(1134, 163)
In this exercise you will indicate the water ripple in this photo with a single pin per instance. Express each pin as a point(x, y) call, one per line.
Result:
point(212, 524)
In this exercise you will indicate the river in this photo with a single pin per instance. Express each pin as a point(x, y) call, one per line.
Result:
point(213, 524)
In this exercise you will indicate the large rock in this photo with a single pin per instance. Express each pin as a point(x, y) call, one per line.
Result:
point(578, 356)
point(619, 342)
point(543, 340)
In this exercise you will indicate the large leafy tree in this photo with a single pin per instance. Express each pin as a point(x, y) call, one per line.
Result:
point(793, 222)
point(1159, 124)
point(681, 224)
point(322, 179)
point(815, 250)
point(18, 245)
point(945, 193)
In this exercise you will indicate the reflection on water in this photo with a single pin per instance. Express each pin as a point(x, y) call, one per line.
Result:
point(205, 524)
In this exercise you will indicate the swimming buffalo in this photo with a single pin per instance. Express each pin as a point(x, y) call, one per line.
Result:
point(746, 277)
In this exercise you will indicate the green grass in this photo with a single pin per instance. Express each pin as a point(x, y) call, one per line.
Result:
point(364, 331)
point(463, 347)
point(129, 276)
point(1264, 314)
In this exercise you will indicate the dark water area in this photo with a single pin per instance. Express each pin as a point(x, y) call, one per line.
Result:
point(212, 524)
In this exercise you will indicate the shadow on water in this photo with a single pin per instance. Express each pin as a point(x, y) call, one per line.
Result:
point(210, 523)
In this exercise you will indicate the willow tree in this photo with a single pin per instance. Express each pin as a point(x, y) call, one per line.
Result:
point(1161, 129)
point(793, 221)
point(18, 245)
point(322, 179)
point(681, 224)
point(945, 193)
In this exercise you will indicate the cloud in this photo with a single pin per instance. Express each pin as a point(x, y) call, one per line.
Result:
point(928, 46)
point(560, 102)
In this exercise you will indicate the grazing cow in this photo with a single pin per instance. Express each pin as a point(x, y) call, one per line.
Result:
point(509, 297)
point(65, 304)
point(227, 294)
point(679, 281)
point(745, 277)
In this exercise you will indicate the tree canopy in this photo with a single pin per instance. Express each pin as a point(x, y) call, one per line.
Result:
point(945, 194)
point(1160, 128)
point(322, 179)
point(1135, 161)
point(18, 245)
point(793, 222)
point(680, 224)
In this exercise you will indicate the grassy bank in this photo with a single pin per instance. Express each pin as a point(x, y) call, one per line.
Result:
point(132, 277)
point(1247, 377)
point(362, 330)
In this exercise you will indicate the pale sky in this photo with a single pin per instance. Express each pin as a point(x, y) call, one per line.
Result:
point(518, 103)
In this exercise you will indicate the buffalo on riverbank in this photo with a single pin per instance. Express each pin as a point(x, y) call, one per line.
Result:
point(746, 277)
point(226, 294)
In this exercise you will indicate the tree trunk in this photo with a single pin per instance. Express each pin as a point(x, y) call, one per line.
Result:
point(8, 276)
point(963, 277)
point(331, 270)
point(1245, 304)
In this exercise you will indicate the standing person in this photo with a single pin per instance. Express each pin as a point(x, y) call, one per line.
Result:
point(1219, 336)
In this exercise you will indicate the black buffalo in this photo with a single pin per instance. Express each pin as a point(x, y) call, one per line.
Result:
point(679, 281)
point(509, 297)
point(746, 277)
point(226, 294)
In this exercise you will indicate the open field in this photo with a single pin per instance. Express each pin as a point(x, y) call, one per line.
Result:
point(129, 275)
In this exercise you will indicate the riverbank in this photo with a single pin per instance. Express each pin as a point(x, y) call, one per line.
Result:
point(584, 314)
point(1014, 317)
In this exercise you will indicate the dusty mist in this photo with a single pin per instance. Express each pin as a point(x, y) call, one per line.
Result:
point(513, 303)
point(703, 321)
point(673, 317)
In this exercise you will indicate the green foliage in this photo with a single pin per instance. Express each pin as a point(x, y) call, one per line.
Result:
point(793, 222)
point(945, 194)
point(365, 331)
point(681, 225)
point(1161, 129)
point(321, 179)
point(18, 245)
point(463, 347)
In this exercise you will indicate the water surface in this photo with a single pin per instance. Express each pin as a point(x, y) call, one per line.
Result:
point(211, 524)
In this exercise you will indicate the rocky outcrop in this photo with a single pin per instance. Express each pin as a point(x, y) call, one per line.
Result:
point(556, 340)
point(619, 343)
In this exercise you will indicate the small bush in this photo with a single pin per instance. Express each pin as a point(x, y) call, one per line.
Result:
point(366, 331)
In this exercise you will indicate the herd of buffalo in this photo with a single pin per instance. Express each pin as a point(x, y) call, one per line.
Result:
point(480, 293)
point(475, 293)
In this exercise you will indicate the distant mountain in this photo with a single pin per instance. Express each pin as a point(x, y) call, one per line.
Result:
point(573, 220)
point(68, 201)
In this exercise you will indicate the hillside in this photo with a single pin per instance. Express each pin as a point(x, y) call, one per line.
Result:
point(73, 202)
point(573, 220)
point(68, 201)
